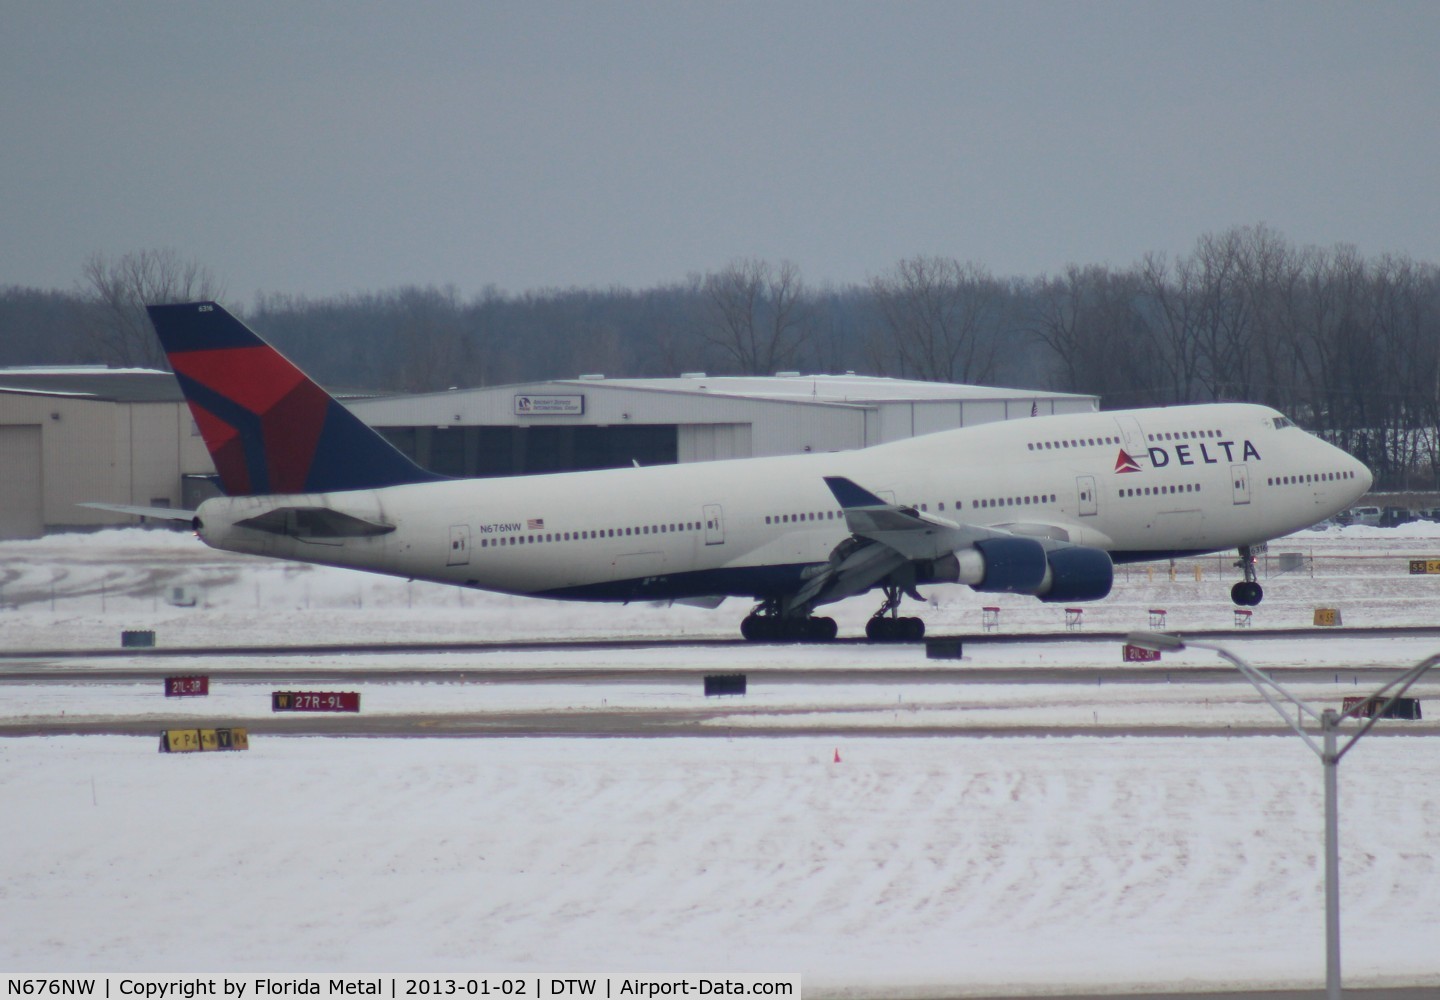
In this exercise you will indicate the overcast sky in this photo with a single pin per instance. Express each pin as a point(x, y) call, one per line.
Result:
point(324, 148)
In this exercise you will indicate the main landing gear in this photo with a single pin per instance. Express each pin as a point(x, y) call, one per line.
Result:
point(1247, 593)
point(767, 624)
point(888, 625)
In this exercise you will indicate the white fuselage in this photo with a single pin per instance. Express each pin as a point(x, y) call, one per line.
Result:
point(1139, 484)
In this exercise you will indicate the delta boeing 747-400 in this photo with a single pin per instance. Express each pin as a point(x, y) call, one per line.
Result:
point(1044, 506)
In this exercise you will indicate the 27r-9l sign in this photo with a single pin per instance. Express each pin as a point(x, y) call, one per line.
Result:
point(315, 701)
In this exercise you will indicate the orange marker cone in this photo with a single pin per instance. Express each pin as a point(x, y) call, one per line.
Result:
point(837, 755)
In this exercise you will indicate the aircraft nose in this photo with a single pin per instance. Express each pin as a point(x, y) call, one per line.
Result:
point(1363, 477)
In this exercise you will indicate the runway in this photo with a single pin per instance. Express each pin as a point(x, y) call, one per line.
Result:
point(592, 644)
point(702, 724)
point(597, 689)
point(771, 676)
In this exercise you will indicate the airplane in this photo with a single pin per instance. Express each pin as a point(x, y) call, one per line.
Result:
point(1044, 506)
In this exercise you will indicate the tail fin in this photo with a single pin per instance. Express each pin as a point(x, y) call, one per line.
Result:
point(269, 428)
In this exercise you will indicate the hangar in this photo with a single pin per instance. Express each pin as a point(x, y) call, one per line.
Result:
point(68, 435)
point(71, 435)
point(593, 422)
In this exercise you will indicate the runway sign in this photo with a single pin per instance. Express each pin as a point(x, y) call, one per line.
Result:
point(1426, 566)
point(718, 684)
point(315, 701)
point(187, 687)
point(944, 649)
point(1327, 617)
point(1401, 708)
point(202, 740)
point(1139, 654)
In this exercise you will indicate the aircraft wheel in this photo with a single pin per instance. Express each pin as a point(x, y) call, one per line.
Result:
point(1247, 594)
point(895, 629)
point(755, 628)
point(822, 629)
point(793, 629)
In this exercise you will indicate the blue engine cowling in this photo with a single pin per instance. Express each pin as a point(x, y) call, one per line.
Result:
point(1012, 565)
point(1023, 566)
point(1079, 574)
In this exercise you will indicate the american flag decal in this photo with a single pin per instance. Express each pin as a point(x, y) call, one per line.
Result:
point(536, 524)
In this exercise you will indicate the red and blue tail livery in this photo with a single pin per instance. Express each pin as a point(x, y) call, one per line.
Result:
point(269, 427)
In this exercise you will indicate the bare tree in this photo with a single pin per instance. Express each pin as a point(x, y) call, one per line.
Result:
point(942, 317)
point(121, 288)
point(1091, 320)
point(1234, 269)
point(1174, 304)
point(435, 349)
point(757, 316)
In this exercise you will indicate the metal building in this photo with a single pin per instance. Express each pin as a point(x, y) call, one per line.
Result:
point(69, 435)
point(594, 422)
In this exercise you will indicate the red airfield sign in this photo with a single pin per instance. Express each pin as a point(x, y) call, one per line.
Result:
point(187, 687)
point(315, 701)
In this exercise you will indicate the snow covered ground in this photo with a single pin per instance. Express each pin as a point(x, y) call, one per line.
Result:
point(79, 591)
point(970, 865)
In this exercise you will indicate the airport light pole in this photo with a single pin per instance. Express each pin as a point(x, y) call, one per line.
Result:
point(1327, 750)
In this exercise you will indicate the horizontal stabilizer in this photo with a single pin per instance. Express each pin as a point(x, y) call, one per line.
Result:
point(314, 523)
point(155, 513)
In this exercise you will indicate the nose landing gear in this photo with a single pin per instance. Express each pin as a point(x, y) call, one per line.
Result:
point(1248, 592)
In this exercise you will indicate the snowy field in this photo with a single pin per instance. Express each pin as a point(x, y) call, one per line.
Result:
point(956, 864)
point(79, 591)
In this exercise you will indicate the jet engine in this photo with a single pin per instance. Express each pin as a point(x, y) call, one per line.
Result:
point(1024, 566)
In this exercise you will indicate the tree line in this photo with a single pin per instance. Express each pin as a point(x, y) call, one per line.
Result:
point(1347, 345)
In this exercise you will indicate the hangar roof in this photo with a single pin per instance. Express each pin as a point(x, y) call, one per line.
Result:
point(816, 388)
point(855, 390)
point(116, 385)
point(145, 385)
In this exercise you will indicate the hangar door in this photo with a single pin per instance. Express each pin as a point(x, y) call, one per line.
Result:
point(21, 511)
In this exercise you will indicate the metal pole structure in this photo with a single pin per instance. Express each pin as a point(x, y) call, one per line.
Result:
point(1327, 751)
point(1330, 721)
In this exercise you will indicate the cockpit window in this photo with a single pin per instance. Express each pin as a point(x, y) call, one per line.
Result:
point(1283, 422)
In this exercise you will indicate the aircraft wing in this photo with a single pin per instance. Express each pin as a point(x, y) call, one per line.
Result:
point(909, 532)
point(885, 538)
point(889, 541)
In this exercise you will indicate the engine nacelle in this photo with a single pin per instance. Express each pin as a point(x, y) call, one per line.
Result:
point(999, 565)
point(1078, 573)
point(1023, 566)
